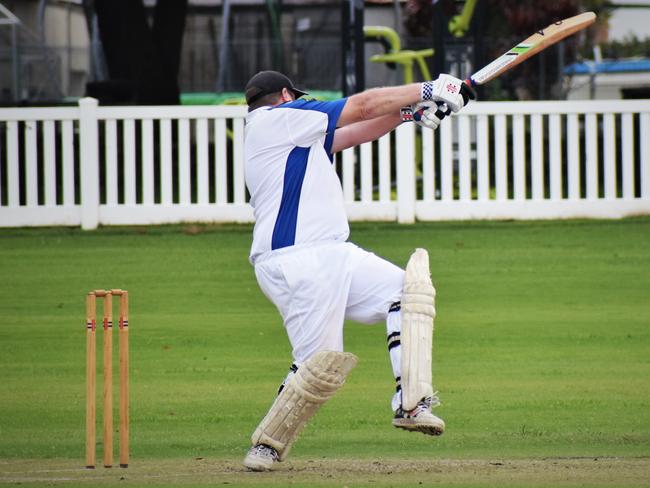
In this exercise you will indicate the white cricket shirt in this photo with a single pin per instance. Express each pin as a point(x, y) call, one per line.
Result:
point(295, 192)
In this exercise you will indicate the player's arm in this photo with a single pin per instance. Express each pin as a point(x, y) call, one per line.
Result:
point(379, 102)
point(425, 114)
point(368, 130)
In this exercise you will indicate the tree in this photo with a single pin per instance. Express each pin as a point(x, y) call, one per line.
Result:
point(142, 61)
point(509, 22)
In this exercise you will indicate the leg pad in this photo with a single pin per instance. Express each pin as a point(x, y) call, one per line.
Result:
point(418, 312)
point(316, 380)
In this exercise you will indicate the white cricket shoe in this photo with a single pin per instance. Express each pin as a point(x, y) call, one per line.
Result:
point(261, 458)
point(420, 419)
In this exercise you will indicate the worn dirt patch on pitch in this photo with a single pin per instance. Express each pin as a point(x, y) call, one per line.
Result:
point(619, 472)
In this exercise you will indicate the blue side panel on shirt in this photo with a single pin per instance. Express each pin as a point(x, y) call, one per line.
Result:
point(333, 110)
point(284, 232)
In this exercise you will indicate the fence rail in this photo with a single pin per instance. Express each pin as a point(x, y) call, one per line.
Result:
point(91, 165)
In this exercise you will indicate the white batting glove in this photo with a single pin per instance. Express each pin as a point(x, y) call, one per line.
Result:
point(447, 89)
point(429, 114)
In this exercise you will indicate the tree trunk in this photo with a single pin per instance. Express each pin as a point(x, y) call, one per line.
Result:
point(143, 62)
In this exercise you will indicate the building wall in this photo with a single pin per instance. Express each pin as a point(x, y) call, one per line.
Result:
point(606, 86)
point(628, 21)
point(66, 33)
point(311, 48)
point(311, 42)
point(44, 69)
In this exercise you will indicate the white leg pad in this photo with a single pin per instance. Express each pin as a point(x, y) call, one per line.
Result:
point(316, 380)
point(418, 312)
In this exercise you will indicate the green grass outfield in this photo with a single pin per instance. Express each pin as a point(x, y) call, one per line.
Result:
point(541, 356)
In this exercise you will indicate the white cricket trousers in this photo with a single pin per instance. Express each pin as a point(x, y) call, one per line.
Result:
point(317, 286)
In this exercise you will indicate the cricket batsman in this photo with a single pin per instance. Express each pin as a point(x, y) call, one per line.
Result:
point(305, 265)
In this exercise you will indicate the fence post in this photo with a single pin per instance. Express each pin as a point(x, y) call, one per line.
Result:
point(405, 161)
point(89, 163)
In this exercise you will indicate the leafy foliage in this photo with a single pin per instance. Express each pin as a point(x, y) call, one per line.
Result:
point(511, 21)
point(630, 46)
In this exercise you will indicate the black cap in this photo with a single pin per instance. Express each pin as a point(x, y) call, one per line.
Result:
point(267, 82)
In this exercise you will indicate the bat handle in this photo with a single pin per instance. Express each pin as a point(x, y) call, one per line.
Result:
point(443, 106)
point(443, 110)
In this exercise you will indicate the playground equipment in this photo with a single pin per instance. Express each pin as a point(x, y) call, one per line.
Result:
point(459, 24)
point(458, 27)
point(395, 55)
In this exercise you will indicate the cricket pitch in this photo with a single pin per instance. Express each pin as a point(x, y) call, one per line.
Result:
point(597, 472)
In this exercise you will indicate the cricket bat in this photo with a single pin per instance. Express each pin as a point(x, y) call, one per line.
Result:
point(529, 47)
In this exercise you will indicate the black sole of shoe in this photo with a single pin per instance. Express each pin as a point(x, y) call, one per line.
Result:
point(423, 429)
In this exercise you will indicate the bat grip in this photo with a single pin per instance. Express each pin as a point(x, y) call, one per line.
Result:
point(443, 110)
point(442, 107)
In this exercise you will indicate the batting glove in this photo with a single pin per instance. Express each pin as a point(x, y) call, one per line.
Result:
point(449, 90)
point(425, 114)
point(429, 114)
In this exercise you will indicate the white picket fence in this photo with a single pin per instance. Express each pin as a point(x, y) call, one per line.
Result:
point(91, 165)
